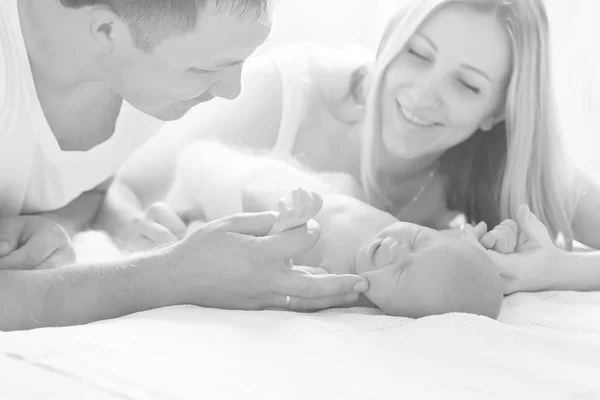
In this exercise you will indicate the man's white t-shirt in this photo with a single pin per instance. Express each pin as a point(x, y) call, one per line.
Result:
point(35, 174)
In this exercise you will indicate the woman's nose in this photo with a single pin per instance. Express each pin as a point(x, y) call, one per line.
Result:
point(425, 95)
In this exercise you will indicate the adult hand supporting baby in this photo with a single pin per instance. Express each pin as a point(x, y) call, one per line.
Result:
point(33, 242)
point(530, 267)
point(230, 263)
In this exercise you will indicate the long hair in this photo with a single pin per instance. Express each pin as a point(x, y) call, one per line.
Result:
point(521, 161)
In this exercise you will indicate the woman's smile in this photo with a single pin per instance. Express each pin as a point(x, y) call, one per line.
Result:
point(410, 123)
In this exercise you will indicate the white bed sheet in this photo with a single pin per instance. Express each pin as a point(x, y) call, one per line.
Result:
point(544, 346)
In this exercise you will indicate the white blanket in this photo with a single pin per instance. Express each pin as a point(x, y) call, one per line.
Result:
point(545, 346)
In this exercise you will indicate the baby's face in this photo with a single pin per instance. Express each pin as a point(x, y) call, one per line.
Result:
point(407, 266)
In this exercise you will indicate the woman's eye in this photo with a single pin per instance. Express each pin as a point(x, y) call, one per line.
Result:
point(472, 88)
point(414, 53)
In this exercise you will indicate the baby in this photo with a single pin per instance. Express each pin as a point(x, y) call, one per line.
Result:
point(413, 271)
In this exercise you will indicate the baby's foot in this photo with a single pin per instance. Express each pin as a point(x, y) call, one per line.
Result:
point(303, 206)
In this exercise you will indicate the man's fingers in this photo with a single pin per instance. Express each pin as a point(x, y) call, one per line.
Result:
point(314, 286)
point(310, 270)
point(302, 304)
point(163, 214)
point(254, 224)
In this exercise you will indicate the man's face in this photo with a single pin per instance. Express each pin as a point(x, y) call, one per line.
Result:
point(183, 71)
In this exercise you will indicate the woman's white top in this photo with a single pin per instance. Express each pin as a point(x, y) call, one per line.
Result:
point(35, 174)
point(297, 65)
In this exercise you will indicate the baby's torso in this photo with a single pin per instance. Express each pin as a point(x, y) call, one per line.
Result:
point(346, 224)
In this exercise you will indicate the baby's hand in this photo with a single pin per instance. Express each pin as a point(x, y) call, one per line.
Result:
point(296, 212)
point(503, 238)
point(473, 234)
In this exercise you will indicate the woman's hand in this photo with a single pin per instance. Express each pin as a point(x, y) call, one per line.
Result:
point(530, 268)
point(34, 242)
point(159, 226)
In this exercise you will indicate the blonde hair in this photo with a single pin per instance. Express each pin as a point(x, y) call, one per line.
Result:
point(521, 160)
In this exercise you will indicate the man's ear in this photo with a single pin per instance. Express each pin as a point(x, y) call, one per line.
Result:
point(107, 28)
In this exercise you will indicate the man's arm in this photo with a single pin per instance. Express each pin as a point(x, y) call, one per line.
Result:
point(82, 294)
point(228, 263)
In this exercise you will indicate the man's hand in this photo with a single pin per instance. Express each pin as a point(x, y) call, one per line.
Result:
point(159, 226)
point(230, 263)
point(34, 242)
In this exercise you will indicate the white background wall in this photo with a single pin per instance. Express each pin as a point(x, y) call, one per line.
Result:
point(576, 34)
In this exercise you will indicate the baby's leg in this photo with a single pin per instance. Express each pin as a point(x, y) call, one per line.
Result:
point(208, 181)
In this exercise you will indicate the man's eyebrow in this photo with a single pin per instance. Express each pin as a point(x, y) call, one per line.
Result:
point(477, 71)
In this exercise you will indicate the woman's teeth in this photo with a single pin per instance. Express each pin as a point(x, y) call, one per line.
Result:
point(415, 119)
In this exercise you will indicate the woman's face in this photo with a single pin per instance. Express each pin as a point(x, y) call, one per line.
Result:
point(446, 83)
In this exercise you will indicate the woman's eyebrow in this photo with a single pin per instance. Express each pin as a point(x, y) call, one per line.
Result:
point(477, 71)
point(427, 39)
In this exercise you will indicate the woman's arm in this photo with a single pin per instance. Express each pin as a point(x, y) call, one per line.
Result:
point(586, 221)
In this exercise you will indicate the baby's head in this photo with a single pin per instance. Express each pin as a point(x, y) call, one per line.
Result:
point(416, 271)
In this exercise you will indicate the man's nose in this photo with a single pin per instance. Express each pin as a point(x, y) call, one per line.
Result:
point(229, 85)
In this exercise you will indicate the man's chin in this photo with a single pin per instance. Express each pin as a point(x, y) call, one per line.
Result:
point(169, 114)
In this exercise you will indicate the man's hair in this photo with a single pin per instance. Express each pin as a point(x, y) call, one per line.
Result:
point(152, 21)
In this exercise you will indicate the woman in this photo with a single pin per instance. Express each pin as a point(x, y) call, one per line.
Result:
point(442, 121)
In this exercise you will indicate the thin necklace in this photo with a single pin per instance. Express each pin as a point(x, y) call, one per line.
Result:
point(415, 198)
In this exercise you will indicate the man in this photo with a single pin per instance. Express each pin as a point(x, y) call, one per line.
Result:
point(85, 83)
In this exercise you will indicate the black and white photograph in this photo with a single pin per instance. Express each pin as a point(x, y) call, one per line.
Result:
point(299, 199)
